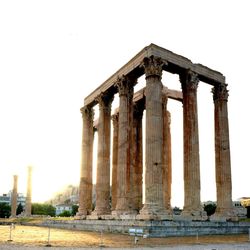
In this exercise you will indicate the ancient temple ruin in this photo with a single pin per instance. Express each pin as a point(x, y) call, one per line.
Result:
point(14, 195)
point(126, 163)
point(28, 203)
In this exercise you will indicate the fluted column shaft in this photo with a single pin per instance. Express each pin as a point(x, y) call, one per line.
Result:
point(137, 159)
point(169, 162)
point(125, 88)
point(222, 152)
point(29, 193)
point(14, 197)
point(192, 205)
point(154, 139)
point(103, 157)
point(85, 187)
point(167, 168)
point(115, 119)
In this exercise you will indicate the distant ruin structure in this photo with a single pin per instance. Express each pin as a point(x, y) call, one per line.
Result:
point(127, 164)
point(27, 210)
point(14, 196)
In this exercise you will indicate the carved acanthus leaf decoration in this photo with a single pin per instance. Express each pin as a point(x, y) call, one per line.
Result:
point(152, 66)
point(124, 86)
point(189, 80)
point(88, 112)
point(220, 92)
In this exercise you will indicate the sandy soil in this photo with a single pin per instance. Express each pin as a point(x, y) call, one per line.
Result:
point(39, 236)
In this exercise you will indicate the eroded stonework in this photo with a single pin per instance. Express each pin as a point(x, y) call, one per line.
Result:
point(127, 152)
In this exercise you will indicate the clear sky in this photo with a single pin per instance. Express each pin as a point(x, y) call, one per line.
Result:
point(54, 53)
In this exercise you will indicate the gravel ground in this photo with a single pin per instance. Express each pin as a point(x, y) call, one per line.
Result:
point(245, 246)
point(35, 238)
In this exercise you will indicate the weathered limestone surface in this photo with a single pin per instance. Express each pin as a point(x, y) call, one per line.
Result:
point(224, 210)
point(155, 228)
point(85, 189)
point(169, 163)
point(167, 166)
point(103, 158)
point(127, 170)
point(153, 206)
point(14, 197)
point(123, 205)
point(137, 159)
point(115, 119)
point(192, 202)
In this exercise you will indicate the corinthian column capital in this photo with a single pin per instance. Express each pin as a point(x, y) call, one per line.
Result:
point(125, 86)
point(189, 80)
point(220, 92)
point(152, 66)
point(87, 112)
point(105, 100)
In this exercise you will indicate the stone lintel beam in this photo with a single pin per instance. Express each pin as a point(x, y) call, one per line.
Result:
point(139, 95)
point(173, 94)
point(175, 64)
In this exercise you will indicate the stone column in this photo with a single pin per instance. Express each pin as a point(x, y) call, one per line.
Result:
point(153, 207)
point(192, 204)
point(169, 162)
point(125, 88)
point(85, 187)
point(14, 197)
point(29, 193)
point(103, 157)
point(115, 119)
point(166, 160)
point(137, 159)
point(224, 210)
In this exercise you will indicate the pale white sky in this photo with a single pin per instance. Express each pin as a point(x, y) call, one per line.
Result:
point(54, 53)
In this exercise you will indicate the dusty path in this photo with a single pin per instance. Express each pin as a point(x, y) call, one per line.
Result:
point(28, 237)
point(245, 246)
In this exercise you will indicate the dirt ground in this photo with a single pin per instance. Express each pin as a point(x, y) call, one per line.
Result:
point(40, 236)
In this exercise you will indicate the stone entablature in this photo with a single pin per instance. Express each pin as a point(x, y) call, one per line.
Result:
point(127, 137)
point(173, 63)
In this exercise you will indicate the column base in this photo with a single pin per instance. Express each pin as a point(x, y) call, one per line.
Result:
point(154, 212)
point(194, 215)
point(101, 211)
point(127, 214)
point(80, 216)
point(123, 209)
point(24, 215)
point(224, 214)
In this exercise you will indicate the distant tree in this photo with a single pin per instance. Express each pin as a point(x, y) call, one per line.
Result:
point(50, 210)
point(177, 210)
point(74, 209)
point(210, 208)
point(19, 209)
point(248, 211)
point(65, 214)
point(43, 209)
point(5, 210)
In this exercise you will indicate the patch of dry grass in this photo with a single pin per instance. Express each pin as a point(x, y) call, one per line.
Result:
point(38, 236)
